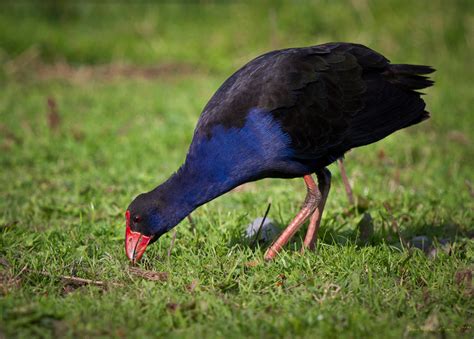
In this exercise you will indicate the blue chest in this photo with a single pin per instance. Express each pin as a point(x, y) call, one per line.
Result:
point(235, 155)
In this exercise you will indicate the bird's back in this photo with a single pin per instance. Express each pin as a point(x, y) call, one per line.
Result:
point(327, 98)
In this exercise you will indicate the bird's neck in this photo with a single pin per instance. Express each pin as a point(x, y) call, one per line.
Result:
point(200, 187)
point(191, 187)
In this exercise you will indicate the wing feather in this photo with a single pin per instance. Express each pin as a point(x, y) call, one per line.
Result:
point(327, 98)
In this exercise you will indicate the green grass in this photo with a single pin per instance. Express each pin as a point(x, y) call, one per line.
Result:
point(64, 190)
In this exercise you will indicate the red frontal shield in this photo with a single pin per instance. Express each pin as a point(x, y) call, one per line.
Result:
point(135, 242)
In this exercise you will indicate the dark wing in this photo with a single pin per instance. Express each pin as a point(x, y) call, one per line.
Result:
point(328, 98)
point(270, 81)
point(319, 122)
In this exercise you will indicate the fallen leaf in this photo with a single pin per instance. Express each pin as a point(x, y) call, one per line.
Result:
point(149, 275)
point(69, 288)
point(192, 286)
point(4, 262)
point(458, 137)
point(281, 280)
point(463, 278)
point(172, 307)
point(54, 120)
point(381, 154)
point(252, 263)
point(77, 134)
point(431, 324)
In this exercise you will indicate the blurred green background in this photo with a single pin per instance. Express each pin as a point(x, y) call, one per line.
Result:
point(98, 101)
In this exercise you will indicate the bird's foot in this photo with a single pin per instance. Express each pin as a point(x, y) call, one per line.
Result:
point(313, 197)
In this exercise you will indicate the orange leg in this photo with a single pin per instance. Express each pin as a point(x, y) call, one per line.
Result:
point(324, 181)
point(313, 197)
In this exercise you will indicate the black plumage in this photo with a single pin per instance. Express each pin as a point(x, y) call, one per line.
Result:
point(287, 113)
point(328, 98)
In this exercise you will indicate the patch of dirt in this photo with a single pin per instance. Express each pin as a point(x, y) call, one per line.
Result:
point(112, 71)
point(463, 279)
point(68, 288)
point(8, 280)
point(29, 65)
point(172, 307)
point(54, 120)
point(458, 137)
point(8, 139)
point(192, 286)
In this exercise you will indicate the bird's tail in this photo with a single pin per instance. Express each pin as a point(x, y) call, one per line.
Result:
point(392, 102)
point(410, 77)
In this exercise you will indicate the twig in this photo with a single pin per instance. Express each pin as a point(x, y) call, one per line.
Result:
point(469, 187)
point(76, 280)
point(21, 272)
point(191, 221)
point(54, 120)
point(81, 281)
point(84, 281)
point(261, 225)
point(67, 278)
point(172, 243)
point(298, 284)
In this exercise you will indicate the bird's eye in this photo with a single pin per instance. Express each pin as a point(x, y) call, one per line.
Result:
point(137, 218)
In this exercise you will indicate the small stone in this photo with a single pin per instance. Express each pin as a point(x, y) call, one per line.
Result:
point(268, 232)
point(422, 242)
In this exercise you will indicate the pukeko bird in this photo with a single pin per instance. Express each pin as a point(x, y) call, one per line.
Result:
point(287, 113)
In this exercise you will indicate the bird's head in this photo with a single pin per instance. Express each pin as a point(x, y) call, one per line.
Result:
point(143, 226)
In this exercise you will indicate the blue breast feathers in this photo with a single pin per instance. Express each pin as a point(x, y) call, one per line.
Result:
point(235, 155)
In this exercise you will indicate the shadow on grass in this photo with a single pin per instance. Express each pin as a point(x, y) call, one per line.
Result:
point(426, 237)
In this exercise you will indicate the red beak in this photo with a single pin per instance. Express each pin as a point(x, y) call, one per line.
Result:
point(135, 242)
